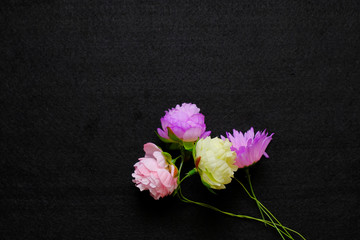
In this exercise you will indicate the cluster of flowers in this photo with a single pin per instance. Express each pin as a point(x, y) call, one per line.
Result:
point(215, 159)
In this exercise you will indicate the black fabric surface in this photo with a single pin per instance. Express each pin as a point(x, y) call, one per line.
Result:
point(85, 83)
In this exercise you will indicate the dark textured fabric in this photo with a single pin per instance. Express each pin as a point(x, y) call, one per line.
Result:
point(84, 84)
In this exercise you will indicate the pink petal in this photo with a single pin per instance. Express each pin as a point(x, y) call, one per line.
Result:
point(180, 115)
point(161, 162)
point(191, 134)
point(179, 132)
point(197, 118)
point(206, 134)
point(164, 123)
point(165, 178)
point(141, 169)
point(250, 133)
point(191, 108)
point(149, 149)
point(150, 163)
point(163, 133)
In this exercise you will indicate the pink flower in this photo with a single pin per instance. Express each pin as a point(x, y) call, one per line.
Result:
point(249, 148)
point(153, 173)
point(185, 121)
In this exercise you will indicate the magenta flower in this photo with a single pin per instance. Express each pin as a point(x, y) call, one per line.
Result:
point(249, 148)
point(153, 173)
point(185, 121)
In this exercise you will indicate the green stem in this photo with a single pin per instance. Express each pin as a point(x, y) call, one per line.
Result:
point(252, 191)
point(184, 199)
point(180, 168)
point(174, 159)
point(266, 210)
point(181, 164)
point(186, 176)
point(182, 157)
point(286, 233)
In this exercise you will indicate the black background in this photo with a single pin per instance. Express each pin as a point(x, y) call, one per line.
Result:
point(85, 83)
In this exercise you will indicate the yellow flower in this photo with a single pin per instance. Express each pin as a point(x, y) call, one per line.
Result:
point(215, 161)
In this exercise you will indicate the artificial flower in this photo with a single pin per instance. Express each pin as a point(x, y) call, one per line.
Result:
point(215, 161)
point(249, 148)
point(154, 173)
point(186, 122)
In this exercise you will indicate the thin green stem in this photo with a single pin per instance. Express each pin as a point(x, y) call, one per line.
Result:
point(174, 159)
point(252, 191)
point(264, 208)
point(184, 199)
point(186, 176)
point(180, 168)
point(182, 156)
point(181, 164)
point(182, 159)
point(286, 233)
point(266, 211)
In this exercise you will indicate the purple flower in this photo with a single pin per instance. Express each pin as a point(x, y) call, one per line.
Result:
point(185, 121)
point(249, 148)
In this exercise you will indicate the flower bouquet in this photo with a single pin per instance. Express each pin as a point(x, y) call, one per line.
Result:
point(215, 160)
